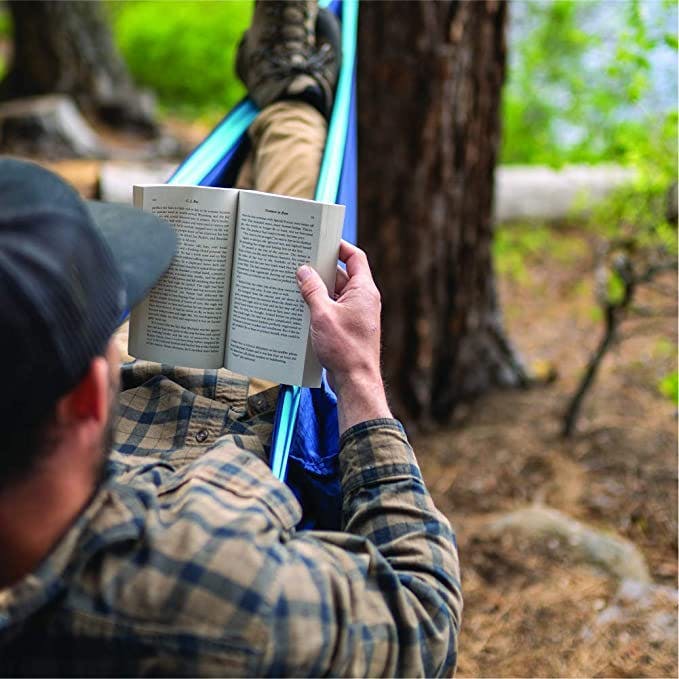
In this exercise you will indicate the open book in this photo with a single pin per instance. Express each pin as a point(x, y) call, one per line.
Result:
point(230, 298)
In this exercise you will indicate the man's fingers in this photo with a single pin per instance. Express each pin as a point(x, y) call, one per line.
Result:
point(341, 279)
point(355, 259)
point(312, 288)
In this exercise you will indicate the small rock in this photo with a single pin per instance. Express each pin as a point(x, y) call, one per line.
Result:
point(613, 554)
point(599, 604)
point(637, 603)
point(50, 127)
point(117, 178)
point(610, 616)
point(635, 592)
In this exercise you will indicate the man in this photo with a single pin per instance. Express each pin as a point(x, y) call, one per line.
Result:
point(176, 552)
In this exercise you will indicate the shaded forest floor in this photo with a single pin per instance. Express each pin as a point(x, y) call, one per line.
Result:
point(531, 608)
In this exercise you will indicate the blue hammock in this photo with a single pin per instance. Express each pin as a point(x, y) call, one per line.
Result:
point(305, 440)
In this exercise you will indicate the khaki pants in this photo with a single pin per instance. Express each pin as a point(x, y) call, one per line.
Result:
point(288, 139)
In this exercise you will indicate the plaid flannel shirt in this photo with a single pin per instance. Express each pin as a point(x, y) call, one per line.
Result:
point(187, 562)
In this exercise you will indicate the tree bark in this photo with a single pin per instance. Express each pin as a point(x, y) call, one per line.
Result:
point(430, 79)
point(66, 48)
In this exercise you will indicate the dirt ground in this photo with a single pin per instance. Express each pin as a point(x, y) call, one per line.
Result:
point(530, 608)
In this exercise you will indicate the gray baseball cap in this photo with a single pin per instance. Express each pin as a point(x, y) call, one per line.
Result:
point(69, 272)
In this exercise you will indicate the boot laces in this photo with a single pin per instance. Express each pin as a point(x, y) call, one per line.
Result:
point(286, 26)
point(315, 63)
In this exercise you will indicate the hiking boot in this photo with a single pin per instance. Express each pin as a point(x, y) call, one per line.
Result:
point(280, 56)
point(329, 50)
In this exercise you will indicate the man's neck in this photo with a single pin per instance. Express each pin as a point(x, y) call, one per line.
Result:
point(37, 511)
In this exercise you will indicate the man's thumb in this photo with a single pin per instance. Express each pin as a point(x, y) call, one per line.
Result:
point(312, 287)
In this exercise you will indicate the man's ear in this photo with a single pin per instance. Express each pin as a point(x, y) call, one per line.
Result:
point(89, 399)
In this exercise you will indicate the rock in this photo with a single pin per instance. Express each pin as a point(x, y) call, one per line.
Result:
point(531, 192)
point(637, 603)
point(167, 146)
point(116, 178)
point(611, 553)
point(50, 127)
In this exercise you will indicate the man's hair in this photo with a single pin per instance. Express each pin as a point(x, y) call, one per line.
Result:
point(28, 439)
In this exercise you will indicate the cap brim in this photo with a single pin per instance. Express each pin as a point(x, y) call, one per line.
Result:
point(142, 245)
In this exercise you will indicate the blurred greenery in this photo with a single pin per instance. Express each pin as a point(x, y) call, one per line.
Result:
point(582, 88)
point(582, 79)
point(515, 244)
point(183, 51)
point(639, 209)
point(5, 24)
point(664, 348)
point(519, 243)
point(669, 387)
point(633, 219)
point(5, 34)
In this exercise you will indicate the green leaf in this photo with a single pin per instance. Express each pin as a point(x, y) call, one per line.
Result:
point(669, 387)
point(671, 40)
point(615, 289)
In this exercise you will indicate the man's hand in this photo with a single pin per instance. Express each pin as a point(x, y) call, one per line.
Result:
point(345, 333)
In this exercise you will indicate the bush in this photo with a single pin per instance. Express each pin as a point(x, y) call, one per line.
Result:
point(183, 51)
point(586, 80)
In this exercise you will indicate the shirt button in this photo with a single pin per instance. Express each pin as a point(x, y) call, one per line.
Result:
point(201, 435)
point(259, 401)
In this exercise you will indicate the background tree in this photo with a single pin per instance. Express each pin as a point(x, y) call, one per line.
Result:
point(66, 48)
point(430, 80)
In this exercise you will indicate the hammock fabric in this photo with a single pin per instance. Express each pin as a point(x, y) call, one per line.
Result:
point(305, 440)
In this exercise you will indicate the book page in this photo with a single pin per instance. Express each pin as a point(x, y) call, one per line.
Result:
point(268, 331)
point(325, 262)
point(183, 319)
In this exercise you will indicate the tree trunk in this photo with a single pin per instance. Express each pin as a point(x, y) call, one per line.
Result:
point(66, 48)
point(430, 79)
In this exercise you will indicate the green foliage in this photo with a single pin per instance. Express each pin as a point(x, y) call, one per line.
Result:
point(615, 289)
point(5, 35)
point(669, 387)
point(183, 51)
point(579, 79)
point(517, 244)
point(514, 244)
point(637, 212)
point(5, 23)
point(634, 217)
point(664, 348)
point(596, 314)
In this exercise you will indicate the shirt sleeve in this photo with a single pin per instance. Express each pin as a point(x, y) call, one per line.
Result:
point(381, 598)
